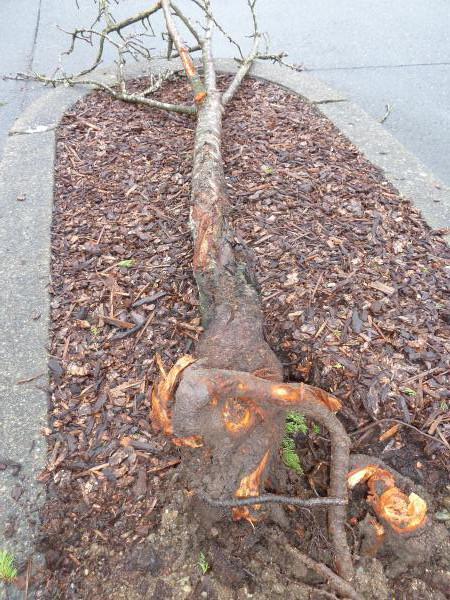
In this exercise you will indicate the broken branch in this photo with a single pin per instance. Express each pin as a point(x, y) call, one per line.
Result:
point(242, 72)
point(189, 67)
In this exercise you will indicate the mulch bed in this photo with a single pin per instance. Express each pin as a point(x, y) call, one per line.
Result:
point(354, 292)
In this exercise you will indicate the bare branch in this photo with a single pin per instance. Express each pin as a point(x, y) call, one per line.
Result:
point(191, 50)
point(142, 16)
point(191, 72)
point(242, 72)
point(156, 82)
point(208, 62)
point(334, 581)
point(169, 47)
point(118, 95)
point(252, 4)
point(104, 35)
point(205, 7)
point(187, 22)
point(279, 58)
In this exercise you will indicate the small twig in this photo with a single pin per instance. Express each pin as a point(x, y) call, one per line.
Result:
point(91, 470)
point(129, 332)
point(279, 58)
point(167, 465)
point(387, 113)
point(28, 379)
point(389, 420)
point(272, 498)
point(425, 374)
point(147, 323)
point(148, 299)
point(28, 575)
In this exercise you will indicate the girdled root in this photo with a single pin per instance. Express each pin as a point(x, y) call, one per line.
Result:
point(238, 410)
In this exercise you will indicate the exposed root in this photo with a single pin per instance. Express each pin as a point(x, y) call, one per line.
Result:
point(403, 514)
point(335, 582)
point(241, 417)
point(272, 498)
point(163, 391)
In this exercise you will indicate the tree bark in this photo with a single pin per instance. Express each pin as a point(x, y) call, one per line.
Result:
point(241, 417)
point(232, 397)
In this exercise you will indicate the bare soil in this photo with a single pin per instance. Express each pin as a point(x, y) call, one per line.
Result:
point(354, 292)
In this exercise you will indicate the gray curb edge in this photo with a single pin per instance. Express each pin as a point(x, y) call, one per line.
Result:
point(27, 171)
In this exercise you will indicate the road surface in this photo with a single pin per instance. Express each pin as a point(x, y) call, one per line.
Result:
point(378, 52)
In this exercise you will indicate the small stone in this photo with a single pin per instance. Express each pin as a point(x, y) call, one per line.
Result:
point(144, 558)
point(278, 588)
point(168, 519)
point(214, 531)
point(185, 585)
point(446, 502)
point(442, 515)
point(17, 491)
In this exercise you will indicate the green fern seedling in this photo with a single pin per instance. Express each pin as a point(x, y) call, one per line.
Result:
point(295, 423)
point(8, 572)
point(290, 456)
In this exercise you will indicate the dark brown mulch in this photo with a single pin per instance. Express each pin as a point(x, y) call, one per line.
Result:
point(354, 290)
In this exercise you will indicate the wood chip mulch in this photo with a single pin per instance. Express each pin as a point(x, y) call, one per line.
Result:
point(353, 285)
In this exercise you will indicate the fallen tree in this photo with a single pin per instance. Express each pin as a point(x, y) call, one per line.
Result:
point(230, 395)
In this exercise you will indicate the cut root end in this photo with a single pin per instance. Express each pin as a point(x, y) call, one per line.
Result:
point(402, 513)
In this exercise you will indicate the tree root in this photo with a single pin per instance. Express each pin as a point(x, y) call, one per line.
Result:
point(241, 417)
point(274, 498)
point(336, 583)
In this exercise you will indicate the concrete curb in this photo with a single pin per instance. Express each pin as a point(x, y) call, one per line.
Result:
point(27, 172)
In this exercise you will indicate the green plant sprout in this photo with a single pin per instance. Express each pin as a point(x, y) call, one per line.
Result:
point(267, 170)
point(127, 264)
point(95, 331)
point(290, 456)
point(8, 572)
point(203, 564)
point(409, 392)
point(295, 423)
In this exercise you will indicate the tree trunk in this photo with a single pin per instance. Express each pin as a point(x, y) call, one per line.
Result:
point(241, 417)
point(232, 396)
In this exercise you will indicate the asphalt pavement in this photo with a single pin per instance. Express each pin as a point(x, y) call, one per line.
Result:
point(378, 52)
